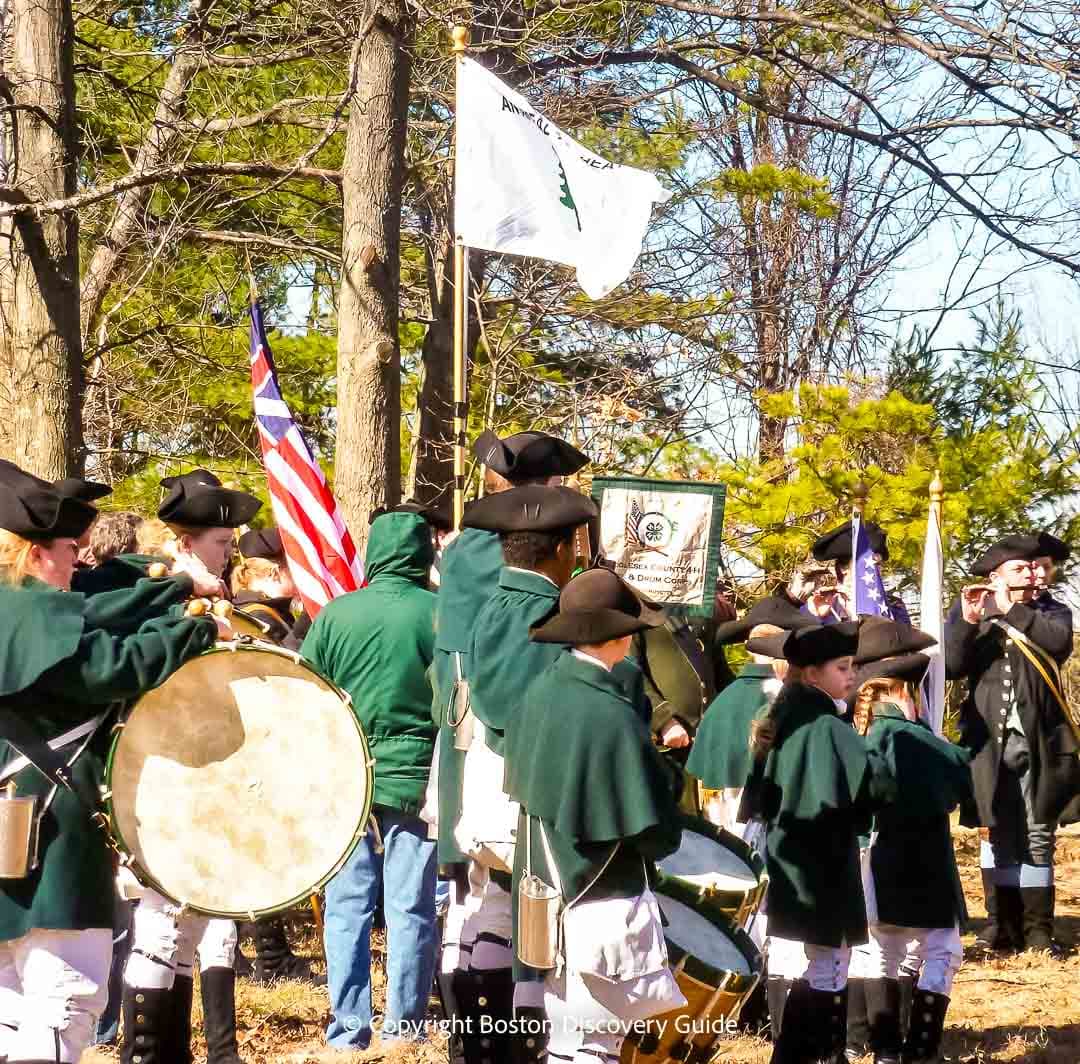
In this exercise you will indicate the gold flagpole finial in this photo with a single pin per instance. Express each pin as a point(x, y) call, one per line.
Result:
point(253, 288)
point(937, 488)
point(859, 495)
point(459, 35)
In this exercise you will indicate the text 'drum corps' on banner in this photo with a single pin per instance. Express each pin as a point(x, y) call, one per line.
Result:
point(663, 537)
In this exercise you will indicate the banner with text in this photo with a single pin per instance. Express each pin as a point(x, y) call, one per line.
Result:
point(663, 537)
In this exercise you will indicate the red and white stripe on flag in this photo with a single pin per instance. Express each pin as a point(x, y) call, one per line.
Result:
point(320, 552)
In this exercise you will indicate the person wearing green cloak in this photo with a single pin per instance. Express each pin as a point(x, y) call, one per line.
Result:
point(593, 820)
point(468, 577)
point(66, 661)
point(914, 899)
point(720, 756)
point(815, 789)
point(537, 528)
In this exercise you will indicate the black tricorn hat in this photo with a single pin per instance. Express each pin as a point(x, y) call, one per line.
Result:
point(769, 646)
point(772, 609)
point(262, 543)
point(34, 509)
point(198, 499)
point(1017, 547)
point(531, 508)
point(823, 642)
point(434, 515)
point(835, 545)
point(908, 667)
point(594, 607)
point(880, 637)
point(1053, 548)
point(528, 455)
point(86, 490)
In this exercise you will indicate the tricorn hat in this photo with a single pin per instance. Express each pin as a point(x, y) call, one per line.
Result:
point(1017, 547)
point(835, 545)
point(823, 642)
point(1052, 547)
point(880, 637)
point(434, 515)
point(528, 455)
point(86, 490)
point(772, 609)
point(594, 607)
point(768, 646)
point(530, 508)
point(262, 543)
point(200, 500)
point(35, 509)
point(908, 667)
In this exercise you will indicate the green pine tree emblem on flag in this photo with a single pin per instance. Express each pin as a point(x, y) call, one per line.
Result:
point(567, 197)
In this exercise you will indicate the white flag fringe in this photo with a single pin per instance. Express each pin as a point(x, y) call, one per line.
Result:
point(523, 187)
point(932, 621)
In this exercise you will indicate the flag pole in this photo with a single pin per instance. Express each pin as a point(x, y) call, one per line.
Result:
point(460, 39)
point(937, 497)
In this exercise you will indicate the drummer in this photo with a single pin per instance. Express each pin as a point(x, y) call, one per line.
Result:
point(914, 900)
point(66, 663)
point(201, 515)
point(469, 575)
point(593, 819)
point(815, 788)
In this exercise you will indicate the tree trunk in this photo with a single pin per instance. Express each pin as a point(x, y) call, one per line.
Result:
point(41, 374)
point(368, 460)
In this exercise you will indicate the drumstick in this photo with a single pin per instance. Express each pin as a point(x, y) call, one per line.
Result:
point(316, 910)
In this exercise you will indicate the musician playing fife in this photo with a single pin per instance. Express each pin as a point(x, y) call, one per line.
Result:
point(1024, 751)
point(201, 514)
point(68, 658)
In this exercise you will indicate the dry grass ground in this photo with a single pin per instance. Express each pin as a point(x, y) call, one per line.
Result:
point(1023, 1009)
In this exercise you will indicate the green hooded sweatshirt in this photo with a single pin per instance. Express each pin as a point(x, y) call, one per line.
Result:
point(377, 644)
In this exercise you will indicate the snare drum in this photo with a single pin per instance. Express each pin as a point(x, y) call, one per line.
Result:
point(719, 869)
point(716, 967)
point(239, 786)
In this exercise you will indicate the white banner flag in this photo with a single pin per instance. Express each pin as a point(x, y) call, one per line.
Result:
point(523, 187)
point(932, 621)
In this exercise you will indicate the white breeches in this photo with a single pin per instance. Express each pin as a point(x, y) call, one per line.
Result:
point(823, 967)
point(583, 1030)
point(489, 916)
point(53, 987)
point(165, 940)
point(936, 949)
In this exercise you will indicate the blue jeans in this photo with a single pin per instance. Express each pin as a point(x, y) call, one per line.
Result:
point(407, 869)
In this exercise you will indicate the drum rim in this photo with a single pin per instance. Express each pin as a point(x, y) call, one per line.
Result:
point(754, 860)
point(127, 857)
point(679, 891)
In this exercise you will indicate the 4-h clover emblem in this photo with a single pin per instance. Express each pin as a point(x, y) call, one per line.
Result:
point(654, 530)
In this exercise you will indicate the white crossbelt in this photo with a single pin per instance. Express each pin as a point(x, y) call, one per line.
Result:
point(80, 731)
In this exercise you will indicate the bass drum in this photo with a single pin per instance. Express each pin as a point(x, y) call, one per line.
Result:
point(240, 785)
point(716, 967)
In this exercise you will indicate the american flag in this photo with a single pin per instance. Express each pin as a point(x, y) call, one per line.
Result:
point(320, 552)
point(870, 597)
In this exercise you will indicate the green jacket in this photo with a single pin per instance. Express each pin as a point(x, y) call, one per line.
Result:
point(470, 575)
point(819, 788)
point(916, 883)
point(720, 756)
point(64, 658)
point(504, 661)
point(377, 644)
point(580, 758)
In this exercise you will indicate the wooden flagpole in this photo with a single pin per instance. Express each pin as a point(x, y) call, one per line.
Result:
point(460, 38)
point(858, 504)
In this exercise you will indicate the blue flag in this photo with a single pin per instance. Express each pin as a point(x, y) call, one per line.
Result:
point(870, 597)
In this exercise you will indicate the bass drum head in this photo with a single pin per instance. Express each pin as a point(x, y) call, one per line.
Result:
point(241, 784)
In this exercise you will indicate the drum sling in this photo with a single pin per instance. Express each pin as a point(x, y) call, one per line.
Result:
point(20, 817)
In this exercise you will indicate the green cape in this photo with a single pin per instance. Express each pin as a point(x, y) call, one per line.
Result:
point(42, 627)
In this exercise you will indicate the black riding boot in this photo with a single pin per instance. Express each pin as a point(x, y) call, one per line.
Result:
point(1010, 915)
point(274, 959)
point(485, 1000)
point(148, 1018)
point(927, 1025)
point(1038, 907)
point(218, 987)
point(858, 1023)
point(883, 1014)
point(777, 989)
point(176, 1045)
point(907, 981)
